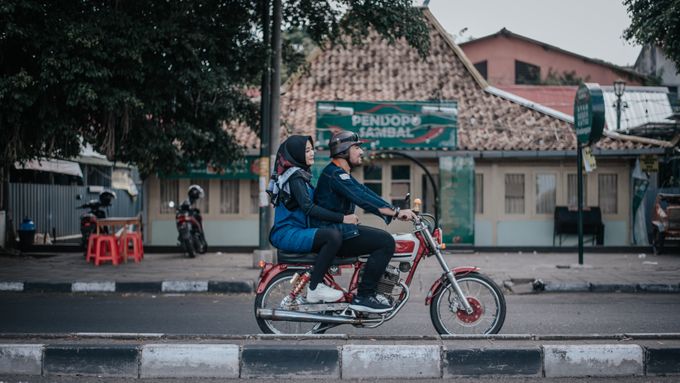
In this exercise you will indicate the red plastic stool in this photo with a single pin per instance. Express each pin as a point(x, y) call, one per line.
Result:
point(106, 249)
point(91, 247)
point(131, 246)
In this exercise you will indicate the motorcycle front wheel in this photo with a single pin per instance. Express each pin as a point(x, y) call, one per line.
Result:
point(277, 289)
point(485, 297)
point(187, 243)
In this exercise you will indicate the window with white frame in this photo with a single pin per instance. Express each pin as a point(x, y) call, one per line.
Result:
point(169, 190)
point(607, 193)
point(203, 203)
point(545, 193)
point(229, 190)
point(479, 193)
point(572, 190)
point(373, 178)
point(514, 193)
point(254, 196)
point(400, 184)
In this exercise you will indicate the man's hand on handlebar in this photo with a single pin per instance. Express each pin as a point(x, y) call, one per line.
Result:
point(406, 215)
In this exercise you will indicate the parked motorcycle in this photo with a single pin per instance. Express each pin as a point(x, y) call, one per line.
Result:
point(88, 220)
point(665, 221)
point(190, 224)
point(462, 300)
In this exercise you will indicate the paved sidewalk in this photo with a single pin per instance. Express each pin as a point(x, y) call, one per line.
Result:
point(229, 272)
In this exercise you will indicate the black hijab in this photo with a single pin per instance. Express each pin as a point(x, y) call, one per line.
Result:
point(292, 153)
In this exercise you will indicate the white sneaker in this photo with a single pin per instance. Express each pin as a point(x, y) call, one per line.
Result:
point(323, 293)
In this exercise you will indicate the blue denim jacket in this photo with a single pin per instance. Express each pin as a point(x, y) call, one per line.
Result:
point(339, 191)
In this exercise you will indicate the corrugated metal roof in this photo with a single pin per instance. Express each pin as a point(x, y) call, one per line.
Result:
point(645, 105)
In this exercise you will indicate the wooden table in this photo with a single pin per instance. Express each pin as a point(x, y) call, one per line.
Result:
point(119, 221)
point(122, 222)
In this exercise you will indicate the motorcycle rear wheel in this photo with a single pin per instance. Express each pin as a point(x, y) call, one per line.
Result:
point(201, 245)
point(486, 299)
point(277, 289)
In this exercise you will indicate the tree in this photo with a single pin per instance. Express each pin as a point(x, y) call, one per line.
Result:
point(152, 82)
point(657, 23)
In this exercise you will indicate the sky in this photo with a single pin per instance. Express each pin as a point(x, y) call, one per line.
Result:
point(591, 28)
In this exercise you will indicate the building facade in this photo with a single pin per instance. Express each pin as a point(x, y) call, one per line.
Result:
point(513, 163)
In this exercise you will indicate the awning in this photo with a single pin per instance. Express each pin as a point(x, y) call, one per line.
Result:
point(53, 166)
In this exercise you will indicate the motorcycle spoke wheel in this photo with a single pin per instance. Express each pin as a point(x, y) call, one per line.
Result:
point(271, 298)
point(486, 299)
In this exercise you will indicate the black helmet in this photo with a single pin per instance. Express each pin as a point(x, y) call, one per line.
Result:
point(341, 142)
point(195, 192)
point(106, 197)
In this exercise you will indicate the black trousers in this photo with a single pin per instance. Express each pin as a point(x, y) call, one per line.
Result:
point(326, 244)
point(379, 244)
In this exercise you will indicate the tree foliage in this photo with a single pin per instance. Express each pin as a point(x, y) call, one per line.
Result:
point(152, 82)
point(655, 22)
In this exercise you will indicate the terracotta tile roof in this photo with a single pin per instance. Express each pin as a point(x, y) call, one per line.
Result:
point(378, 71)
point(560, 98)
point(243, 134)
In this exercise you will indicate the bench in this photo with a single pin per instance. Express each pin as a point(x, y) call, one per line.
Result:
point(566, 223)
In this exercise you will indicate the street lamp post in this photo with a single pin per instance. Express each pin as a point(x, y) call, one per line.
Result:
point(619, 89)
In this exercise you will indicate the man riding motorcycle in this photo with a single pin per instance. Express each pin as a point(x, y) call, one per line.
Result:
point(338, 191)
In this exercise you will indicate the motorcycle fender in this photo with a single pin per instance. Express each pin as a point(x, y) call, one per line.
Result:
point(270, 271)
point(457, 271)
point(184, 230)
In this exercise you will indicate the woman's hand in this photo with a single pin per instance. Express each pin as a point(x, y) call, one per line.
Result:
point(351, 219)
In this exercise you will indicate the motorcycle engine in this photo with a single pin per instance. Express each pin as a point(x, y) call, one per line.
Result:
point(387, 282)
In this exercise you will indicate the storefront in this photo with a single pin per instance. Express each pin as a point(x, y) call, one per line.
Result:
point(229, 208)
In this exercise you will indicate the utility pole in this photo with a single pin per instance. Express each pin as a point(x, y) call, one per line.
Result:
point(275, 124)
point(271, 121)
point(265, 139)
point(579, 201)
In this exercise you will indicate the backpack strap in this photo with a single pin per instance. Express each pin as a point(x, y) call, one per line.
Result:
point(280, 183)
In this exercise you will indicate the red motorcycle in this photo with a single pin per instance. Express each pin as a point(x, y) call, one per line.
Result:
point(190, 229)
point(462, 301)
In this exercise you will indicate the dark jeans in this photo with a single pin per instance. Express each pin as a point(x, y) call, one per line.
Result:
point(326, 244)
point(380, 245)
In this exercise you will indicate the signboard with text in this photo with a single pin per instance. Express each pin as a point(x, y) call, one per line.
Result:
point(649, 164)
point(390, 124)
point(246, 168)
point(589, 113)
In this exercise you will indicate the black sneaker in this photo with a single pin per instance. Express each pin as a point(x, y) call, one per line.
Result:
point(369, 304)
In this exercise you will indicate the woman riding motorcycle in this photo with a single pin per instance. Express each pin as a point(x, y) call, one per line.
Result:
point(292, 195)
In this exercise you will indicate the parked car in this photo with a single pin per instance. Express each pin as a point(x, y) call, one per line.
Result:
point(665, 220)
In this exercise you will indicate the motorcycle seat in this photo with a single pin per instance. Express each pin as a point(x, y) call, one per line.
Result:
point(310, 258)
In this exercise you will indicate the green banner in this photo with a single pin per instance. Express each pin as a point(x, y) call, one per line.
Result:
point(457, 199)
point(390, 124)
point(245, 169)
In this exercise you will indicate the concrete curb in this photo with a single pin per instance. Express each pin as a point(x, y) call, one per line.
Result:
point(281, 360)
point(539, 285)
point(232, 287)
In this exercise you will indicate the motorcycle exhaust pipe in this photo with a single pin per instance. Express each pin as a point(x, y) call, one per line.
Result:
point(297, 316)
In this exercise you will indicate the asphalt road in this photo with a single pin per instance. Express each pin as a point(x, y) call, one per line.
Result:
point(586, 313)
